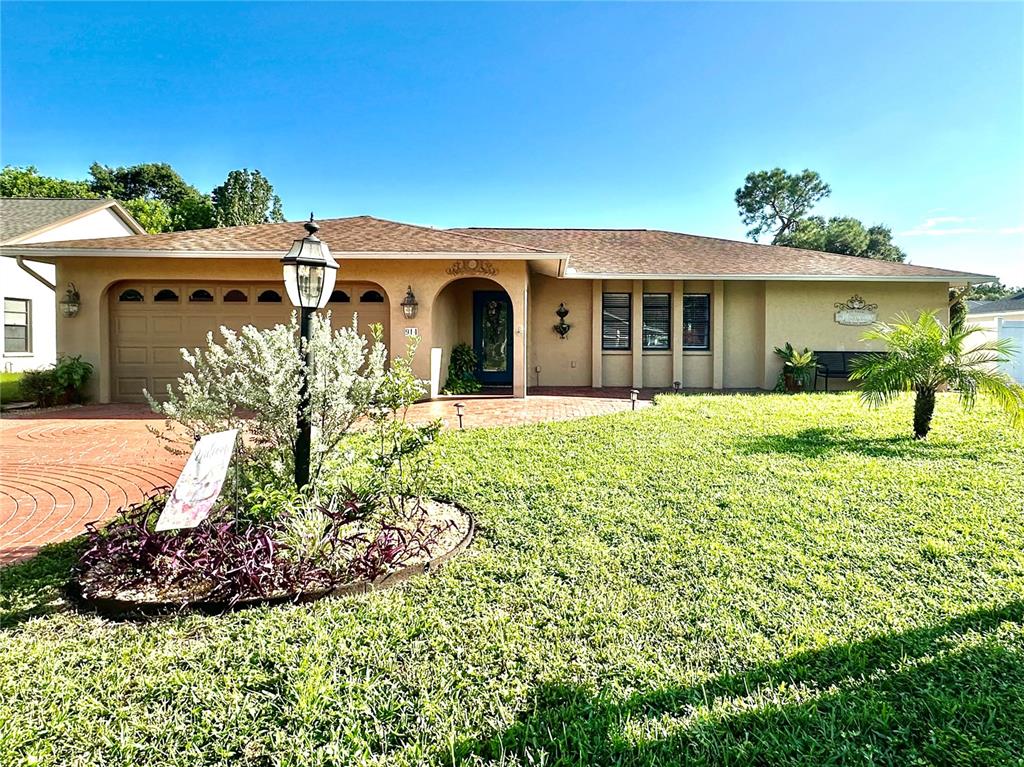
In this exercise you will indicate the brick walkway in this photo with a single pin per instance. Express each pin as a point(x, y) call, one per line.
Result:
point(63, 468)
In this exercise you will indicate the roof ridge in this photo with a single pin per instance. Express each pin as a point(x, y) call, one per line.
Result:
point(53, 199)
point(452, 231)
point(554, 229)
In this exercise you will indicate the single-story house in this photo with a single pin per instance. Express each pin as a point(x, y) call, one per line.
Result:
point(645, 308)
point(27, 287)
point(1002, 319)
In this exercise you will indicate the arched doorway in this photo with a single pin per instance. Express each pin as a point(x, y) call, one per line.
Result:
point(478, 312)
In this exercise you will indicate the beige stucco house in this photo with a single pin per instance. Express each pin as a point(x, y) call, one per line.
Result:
point(645, 308)
point(26, 287)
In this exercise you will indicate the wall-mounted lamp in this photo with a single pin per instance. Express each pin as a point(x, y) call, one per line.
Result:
point(409, 304)
point(633, 394)
point(459, 407)
point(72, 301)
point(562, 328)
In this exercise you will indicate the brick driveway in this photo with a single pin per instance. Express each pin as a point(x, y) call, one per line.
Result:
point(63, 468)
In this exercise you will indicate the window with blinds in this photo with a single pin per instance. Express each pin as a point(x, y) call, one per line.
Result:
point(697, 321)
point(657, 321)
point(615, 321)
point(17, 312)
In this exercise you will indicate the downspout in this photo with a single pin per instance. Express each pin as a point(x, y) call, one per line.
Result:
point(26, 268)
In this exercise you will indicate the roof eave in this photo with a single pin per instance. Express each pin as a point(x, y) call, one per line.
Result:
point(41, 251)
point(957, 278)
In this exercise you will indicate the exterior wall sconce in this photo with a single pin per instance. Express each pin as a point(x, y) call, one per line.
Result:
point(459, 407)
point(409, 304)
point(562, 328)
point(72, 301)
point(633, 394)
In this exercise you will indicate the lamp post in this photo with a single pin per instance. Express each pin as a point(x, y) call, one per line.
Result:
point(309, 273)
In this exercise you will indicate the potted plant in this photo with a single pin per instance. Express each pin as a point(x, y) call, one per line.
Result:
point(797, 368)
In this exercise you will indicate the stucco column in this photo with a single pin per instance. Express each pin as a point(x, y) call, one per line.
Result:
point(596, 358)
point(676, 339)
point(520, 361)
point(718, 336)
point(638, 334)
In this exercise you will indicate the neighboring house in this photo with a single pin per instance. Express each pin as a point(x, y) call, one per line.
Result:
point(29, 304)
point(646, 308)
point(1002, 319)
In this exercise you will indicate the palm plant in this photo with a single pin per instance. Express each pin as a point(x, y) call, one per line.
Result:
point(925, 356)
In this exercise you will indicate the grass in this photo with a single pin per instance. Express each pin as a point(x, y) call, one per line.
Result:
point(10, 387)
point(718, 580)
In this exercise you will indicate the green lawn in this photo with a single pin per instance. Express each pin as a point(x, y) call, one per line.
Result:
point(717, 580)
point(10, 385)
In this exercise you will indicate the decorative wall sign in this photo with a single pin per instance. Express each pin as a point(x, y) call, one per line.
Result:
point(200, 482)
point(472, 266)
point(856, 311)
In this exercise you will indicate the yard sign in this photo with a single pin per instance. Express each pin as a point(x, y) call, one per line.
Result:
point(200, 482)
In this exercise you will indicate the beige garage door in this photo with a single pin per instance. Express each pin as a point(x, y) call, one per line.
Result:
point(150, 323)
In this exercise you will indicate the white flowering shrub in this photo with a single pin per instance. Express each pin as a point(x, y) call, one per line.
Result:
point(250, 381)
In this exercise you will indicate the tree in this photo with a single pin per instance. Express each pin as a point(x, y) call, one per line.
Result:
point(775, 201)
point(246, 197)
point(148, 180)
point(844, 235)
point(991, 291)
point(153, 214)
point(193, 212)
point(26, 182)
point(925, 356)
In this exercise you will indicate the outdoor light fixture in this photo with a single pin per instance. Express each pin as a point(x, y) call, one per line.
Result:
point(562, 328)
point(410, 304)
point(309, 273)
point(633, 394)
point(459, 407)
point(676, 386)
point(72, 301)
point(309, 270)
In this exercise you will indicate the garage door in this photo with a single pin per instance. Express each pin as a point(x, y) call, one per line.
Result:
point(151, 322)
point(1014, 330)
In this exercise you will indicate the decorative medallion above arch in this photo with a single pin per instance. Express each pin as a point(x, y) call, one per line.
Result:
point(472, 266)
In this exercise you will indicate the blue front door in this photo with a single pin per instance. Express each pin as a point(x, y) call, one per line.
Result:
point(492, 337)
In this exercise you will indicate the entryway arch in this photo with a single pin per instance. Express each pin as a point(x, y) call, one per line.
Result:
point(477, 311)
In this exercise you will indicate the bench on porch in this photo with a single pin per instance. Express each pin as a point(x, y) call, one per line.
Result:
point(835, 365)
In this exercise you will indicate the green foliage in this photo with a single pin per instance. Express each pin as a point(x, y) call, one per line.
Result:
point(40, 386)
point(195, 211)
point(245, 197)
point(797, 368)
point(26, 182)
point(148, 181)
point(153, 214)
point(71, 374)
point(991, 291)
point(774, 201)
point(462, 371)
point(717, 580)
point(925, 356)
point(844, 235)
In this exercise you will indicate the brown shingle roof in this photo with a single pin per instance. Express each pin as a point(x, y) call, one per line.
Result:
point(653, 252)
point(21, 215)
point(358, 234)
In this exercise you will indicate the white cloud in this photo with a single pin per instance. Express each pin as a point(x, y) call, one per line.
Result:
point(945, 226)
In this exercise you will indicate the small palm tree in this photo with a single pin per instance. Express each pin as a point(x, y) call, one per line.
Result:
point(925, 356)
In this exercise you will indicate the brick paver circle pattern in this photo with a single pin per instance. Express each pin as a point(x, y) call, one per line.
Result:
point(62, 469)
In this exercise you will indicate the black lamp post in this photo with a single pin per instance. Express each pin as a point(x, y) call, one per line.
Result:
point(309, 272)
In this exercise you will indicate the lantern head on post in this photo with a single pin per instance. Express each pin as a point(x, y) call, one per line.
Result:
point(309, 270)
point(410, 304)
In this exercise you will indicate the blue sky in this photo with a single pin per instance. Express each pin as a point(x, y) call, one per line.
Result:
point(546, 114)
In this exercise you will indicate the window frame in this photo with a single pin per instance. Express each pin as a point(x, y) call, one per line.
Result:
point(707, 337)
point(27, 302)
point(668, 324)
point(628, 322)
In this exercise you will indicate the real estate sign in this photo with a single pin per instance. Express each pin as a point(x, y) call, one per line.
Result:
point(200, 483)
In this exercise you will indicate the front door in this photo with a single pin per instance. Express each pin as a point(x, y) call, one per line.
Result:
point(492, 337)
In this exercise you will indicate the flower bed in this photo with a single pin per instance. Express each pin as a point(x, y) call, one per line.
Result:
point(128, 570)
